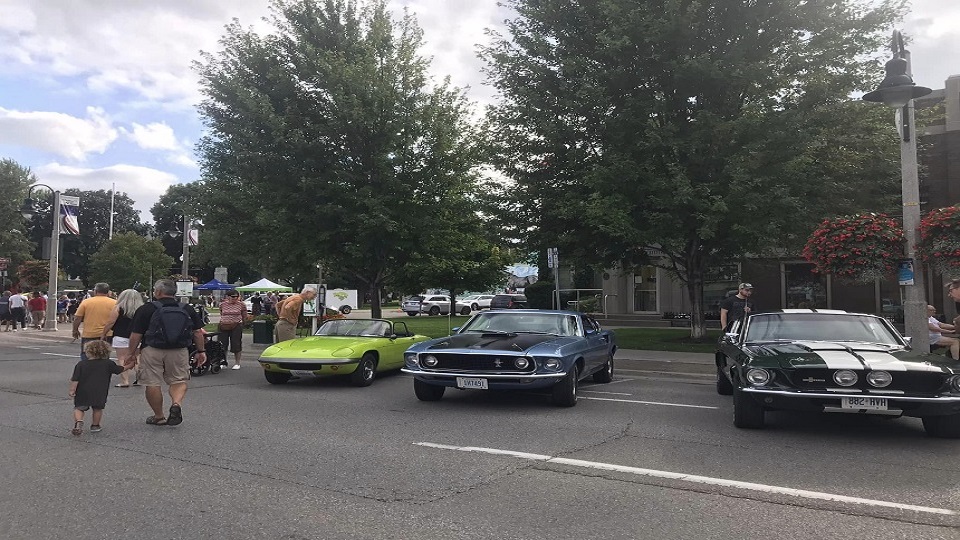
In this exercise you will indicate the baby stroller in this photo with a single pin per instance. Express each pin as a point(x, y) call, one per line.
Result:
point(216, 356)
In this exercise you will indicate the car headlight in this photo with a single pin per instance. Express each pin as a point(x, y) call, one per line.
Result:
point(430, 361)
point(758, 377)
point(410, 359)
point(521, 363)
point(343, 353)
point(845, 377)
point(954, 383)
point(879, 379)
point(552, 364)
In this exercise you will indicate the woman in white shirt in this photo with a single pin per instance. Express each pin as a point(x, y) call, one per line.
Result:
point(936, 333)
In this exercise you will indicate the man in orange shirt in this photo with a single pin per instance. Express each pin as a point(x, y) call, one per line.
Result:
point(288, 314)
point(94, 312)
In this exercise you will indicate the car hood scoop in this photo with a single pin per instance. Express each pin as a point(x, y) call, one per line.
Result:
point(492, 342)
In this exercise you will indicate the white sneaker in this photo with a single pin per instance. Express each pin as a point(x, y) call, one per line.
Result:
point(236, 366)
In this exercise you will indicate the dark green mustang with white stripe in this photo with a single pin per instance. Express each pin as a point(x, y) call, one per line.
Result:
point(834, 361)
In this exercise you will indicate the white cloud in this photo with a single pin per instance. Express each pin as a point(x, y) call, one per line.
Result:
point(153, 136)
point(183, 159)
point(58, 133)
point(144, 185)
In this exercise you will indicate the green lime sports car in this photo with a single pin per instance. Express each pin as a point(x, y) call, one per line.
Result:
point(358, 348)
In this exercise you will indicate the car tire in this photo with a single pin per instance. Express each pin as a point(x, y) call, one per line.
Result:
point(465, 310)
point(434, 311)
point(428, 392)
point(747, 413)
point(944, 427)
point(412, 313)
point(605, 375)
point(366, 371)
point(276, 378)
point(565, 391)
point(345, 310)
point(724, 386)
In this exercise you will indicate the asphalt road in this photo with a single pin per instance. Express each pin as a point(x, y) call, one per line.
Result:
point(321, 459)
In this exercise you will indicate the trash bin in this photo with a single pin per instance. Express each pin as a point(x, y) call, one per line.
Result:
point(263, 331)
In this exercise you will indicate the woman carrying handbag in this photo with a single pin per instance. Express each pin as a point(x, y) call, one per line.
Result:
point(233, 313)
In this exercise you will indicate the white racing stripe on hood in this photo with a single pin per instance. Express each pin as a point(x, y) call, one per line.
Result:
point(839, 360)
point(884, 361)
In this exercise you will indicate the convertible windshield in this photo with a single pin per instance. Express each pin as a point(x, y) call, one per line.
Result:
point(354, 327)
point(519, 323)
point(819, 327)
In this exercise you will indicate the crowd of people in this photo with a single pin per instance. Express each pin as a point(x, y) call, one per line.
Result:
point(20, 311)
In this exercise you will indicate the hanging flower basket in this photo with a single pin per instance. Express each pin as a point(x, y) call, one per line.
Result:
point(939, 245)
point(858, 249)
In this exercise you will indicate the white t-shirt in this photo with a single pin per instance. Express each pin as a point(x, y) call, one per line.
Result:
point(934, 336)
point(16, 301)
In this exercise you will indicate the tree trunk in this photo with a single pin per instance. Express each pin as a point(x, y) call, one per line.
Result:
point(376, 309)
point(698, 328)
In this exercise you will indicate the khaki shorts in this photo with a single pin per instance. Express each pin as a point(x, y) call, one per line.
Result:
point(171, 366)
point(284, 331)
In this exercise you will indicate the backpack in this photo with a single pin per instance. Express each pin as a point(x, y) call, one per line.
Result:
point(171, 327)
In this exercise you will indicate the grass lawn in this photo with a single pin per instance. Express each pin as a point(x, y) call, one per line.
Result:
point(665, 339)
point(651, 339)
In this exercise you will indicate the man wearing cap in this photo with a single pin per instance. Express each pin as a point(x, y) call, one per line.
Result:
point(735, 307)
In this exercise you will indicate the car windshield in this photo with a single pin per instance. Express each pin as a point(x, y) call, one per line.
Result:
point(354, 327)
point(519, 323)
point(819, 327)
point(415, 299)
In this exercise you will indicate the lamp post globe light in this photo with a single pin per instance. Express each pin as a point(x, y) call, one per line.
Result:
point(898, 91)
point(28, 210)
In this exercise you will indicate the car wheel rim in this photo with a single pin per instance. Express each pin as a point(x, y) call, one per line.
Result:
point(368, 371)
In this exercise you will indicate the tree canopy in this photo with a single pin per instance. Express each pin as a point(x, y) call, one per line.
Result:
point(329, 142)
point(15, 245)
point(129, 258)
point(688, 134)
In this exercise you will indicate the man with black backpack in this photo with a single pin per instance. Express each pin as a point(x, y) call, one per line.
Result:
point(160, 333)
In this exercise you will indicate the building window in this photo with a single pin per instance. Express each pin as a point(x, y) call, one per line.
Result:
point(804, 289)
point(718, 283)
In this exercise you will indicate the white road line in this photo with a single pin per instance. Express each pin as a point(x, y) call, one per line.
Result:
point(77, 356)
point(650, 402)
point(707, 480)
point(687, 373)
point(611, 393)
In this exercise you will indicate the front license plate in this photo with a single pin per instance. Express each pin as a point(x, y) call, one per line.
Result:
point(869, 403)
point(473, 384)
point(301, 373)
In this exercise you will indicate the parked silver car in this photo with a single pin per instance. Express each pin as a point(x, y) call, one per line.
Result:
point(432, 304)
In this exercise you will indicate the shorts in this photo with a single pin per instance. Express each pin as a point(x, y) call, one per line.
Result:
point(284, 331)
point(87, 408)
point(157, 366)
point(120, 342)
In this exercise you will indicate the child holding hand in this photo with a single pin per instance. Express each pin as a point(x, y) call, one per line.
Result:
point(91, 383)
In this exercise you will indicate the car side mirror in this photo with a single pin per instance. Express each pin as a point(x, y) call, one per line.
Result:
point(731, 336)
point(455, 329)
point(393, 336)
point(590, 332)
point(909, 341)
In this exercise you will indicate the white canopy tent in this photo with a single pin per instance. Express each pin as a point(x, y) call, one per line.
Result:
point(264, 285)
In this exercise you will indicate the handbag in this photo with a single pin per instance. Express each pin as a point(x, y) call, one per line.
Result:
point(226, 327)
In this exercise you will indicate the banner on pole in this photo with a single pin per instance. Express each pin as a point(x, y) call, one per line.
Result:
point(194, 237)
point(905, 271)
point(69, 215)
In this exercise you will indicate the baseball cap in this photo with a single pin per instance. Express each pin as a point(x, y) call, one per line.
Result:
point(744, 286)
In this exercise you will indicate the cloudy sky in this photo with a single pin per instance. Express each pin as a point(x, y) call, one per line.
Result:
point(95, 92)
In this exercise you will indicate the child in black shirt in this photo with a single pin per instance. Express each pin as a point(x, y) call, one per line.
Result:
point(91, 383)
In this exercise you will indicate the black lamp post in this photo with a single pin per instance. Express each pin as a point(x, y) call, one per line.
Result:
point(898, 91)
point(28, 209)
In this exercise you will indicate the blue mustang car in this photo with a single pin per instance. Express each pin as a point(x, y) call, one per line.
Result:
point(516, 349)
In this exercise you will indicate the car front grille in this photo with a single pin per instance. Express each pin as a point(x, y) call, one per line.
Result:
point(477, 362)
point(906, 381)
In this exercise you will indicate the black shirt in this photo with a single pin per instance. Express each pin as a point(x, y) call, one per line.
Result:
point(735, 307)
point(141, 319)
point(121, 328)
point(93, 377)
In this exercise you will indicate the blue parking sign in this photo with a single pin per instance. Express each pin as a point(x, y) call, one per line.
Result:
point(905, 271)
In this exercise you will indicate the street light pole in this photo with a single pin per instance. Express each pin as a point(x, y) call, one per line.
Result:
point(28, 209)
point(185, 270)
point(898, 91)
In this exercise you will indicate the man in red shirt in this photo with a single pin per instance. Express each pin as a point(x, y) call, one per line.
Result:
point(38, 308)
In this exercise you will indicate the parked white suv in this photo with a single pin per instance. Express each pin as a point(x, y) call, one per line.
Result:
point(432, 304)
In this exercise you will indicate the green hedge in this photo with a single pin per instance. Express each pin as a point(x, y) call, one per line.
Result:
point(539, 295)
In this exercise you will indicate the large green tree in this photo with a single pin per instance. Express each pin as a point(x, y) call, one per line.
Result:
point(688, 133)
point(15, 180)
point(328, 141)
point(128, 259)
